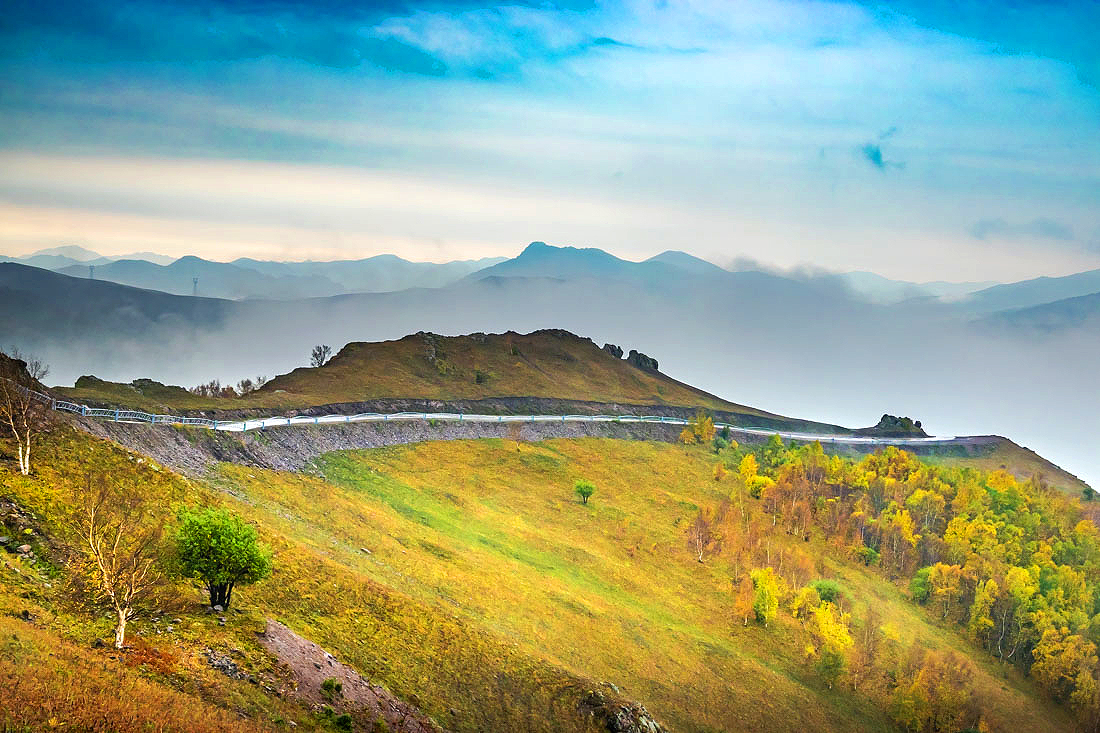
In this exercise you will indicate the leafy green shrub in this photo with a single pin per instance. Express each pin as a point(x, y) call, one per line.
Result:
point(828, 590)
point(868, 556)
point(220, 549)
point(584, 489)
point(331, 688)
point(920, 586)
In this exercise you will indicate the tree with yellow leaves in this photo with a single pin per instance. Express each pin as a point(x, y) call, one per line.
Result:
point(945, 582)
point(804, 602)
point(766, 602)
point(1065, 665)
point(832, 641)
point(699, 430)
point(981, 620)
point(744, 600)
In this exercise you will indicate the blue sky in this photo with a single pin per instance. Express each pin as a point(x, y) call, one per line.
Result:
point(929, 140)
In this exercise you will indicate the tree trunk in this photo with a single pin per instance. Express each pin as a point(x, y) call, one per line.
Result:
point(120, 630)
point(24, 456)
point(220, 594)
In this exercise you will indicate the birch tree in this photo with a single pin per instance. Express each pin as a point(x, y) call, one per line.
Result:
point(22, 411)
point(122, 543)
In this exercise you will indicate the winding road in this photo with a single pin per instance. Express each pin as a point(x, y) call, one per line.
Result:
point(241, 426)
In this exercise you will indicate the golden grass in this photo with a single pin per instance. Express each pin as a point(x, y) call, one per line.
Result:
point(608, 590)
point(47, 683)
point(492, 598)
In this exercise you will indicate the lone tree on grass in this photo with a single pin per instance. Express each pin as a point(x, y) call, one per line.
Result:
point(22, 412)
point(700, 535)
point(122, 545)
point(584, 489)
point(220, 549)
point(319, 355)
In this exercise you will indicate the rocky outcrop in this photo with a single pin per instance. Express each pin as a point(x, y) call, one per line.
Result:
point(891, 426)
point(615, 351)
point(615, 715)
point(640, 360)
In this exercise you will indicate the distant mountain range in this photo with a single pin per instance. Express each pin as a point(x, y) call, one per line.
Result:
point(57, 258)
point(879, 289)
point(247, 278)
point(1081, 312)
point(379, 274)
point(994, 360)
point(1038, 291)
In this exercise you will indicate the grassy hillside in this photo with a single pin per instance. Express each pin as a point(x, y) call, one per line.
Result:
point(467, 578)
point(1001, 453)
point(553, 364)
point(547, 364)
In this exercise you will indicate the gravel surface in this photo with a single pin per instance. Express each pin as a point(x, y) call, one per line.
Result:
point(192, 451)
point(312, 665)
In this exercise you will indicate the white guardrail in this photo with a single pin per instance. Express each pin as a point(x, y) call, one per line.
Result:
point(240, 426)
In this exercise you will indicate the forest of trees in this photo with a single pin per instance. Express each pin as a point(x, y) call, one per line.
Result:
point(1014, 565)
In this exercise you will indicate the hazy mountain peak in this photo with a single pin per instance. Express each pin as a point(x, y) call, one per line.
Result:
point(685, 261)
point(72, 251)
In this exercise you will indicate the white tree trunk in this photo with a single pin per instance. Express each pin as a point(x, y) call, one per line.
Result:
point(120, 630)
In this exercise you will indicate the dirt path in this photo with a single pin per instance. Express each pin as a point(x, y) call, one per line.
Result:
point(312, 665)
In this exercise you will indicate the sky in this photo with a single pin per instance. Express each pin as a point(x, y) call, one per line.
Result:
point(920, 140)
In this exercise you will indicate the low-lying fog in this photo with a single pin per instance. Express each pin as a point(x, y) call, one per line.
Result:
point(810, 352)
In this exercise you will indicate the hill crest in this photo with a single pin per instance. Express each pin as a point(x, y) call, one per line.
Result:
point(548, 363)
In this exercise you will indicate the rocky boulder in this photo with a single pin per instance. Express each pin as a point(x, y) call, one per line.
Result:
point(891, 426)
point(615, 351)
point(616, 715)
point(640, 360)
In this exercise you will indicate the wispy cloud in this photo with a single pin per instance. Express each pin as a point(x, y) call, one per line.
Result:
point(744, 125)
point(1035, 229)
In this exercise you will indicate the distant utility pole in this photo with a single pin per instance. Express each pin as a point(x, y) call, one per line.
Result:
point(91, 272)
point(195, 286)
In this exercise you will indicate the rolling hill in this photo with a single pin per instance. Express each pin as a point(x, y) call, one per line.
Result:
point(464, 578)
point(546, 364)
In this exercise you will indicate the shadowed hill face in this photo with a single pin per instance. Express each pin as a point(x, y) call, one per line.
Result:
point(549, 364)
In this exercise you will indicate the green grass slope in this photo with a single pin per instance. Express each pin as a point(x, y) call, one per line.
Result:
point(465, 577)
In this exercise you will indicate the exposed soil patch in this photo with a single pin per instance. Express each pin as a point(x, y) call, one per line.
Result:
point(311, 666)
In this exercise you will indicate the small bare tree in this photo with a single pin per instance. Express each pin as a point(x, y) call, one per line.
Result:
point(122, 542)
point(700, 535)
point(22, 410)
point(320, 355)
point(247, 386)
